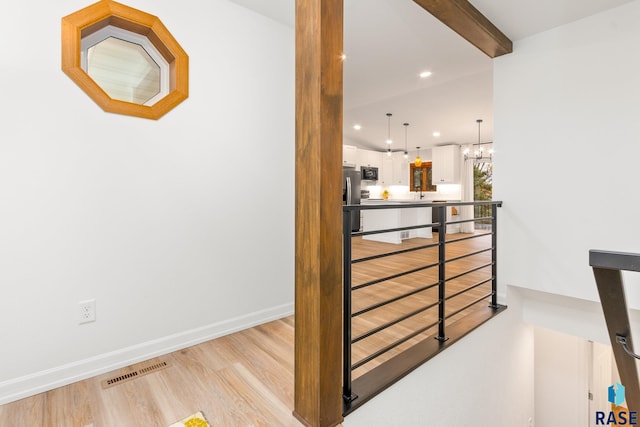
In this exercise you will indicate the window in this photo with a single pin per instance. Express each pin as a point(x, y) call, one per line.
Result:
point(420, 177)
point(124, 59)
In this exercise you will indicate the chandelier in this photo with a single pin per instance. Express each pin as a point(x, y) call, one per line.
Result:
point(478, 149)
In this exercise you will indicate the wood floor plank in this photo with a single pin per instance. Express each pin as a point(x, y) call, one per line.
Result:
point(243, 379)
point(246, 378)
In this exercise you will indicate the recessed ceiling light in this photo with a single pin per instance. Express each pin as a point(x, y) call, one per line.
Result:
point(425, 74)
point(357, 127)
point(436, 134)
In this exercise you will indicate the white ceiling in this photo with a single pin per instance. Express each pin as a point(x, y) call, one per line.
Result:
point(389, 42)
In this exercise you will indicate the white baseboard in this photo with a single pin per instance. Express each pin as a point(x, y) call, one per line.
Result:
point(49, 379)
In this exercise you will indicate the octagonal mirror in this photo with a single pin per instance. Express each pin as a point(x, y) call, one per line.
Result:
point(124, 59)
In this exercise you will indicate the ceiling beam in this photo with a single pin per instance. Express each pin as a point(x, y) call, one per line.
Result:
point(473, 26)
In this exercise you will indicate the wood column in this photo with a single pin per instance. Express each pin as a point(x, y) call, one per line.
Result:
point(318, 247)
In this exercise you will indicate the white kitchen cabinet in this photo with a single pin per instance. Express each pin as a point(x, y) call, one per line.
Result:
point(395, 169)
point(385, 175)
point(445, 164)
point(349, 155)
point(370, 158)
point(400, 174)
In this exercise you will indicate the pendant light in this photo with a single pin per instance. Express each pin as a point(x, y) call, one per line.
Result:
point(389, 141)
point(418, 161)
point(479, 152)
point(406, 153)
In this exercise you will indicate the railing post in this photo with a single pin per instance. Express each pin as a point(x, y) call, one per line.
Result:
point(442, 233)
point(347, 395)
point(494, 257)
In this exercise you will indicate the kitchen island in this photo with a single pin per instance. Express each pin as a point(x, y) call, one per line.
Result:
point(380, 219)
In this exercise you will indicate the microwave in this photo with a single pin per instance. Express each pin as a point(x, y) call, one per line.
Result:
point(369, 173)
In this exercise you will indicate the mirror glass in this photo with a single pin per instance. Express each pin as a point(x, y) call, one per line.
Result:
point(124, 70)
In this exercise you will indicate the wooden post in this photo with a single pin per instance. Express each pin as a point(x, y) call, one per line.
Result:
point(318, 271)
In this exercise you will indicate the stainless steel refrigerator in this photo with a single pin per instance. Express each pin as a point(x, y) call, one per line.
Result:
point(351, 194)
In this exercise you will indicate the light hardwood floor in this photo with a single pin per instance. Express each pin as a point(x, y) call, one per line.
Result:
point(243, 379)
point(246, 378)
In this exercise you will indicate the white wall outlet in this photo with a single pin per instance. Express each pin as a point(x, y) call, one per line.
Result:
point(86, 311)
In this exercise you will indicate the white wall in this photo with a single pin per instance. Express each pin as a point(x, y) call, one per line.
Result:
point(566, 152)
point(181, 229)
point(565, 109)
point(483, 380)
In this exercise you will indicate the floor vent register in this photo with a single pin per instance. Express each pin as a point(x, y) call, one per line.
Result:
point(129, 373)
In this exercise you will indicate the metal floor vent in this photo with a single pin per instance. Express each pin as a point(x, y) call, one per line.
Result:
point(132, 374)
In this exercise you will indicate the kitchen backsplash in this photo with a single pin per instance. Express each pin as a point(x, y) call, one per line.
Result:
point(401, 192)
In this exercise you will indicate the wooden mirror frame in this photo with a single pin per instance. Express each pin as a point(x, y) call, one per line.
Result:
point(425, 184)
point(106, 12)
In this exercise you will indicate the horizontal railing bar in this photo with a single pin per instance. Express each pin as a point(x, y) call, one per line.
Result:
point(388, 372)
point(469, 305)
point(393, 322)
point(346, 208)
point(391, 230)
point(462, 221)
point(393, 276)
point(482, 218)
point(498, 203)
point(469, 271)
point(468, 255)
point(394, 299)
point(614, 260)
point(392, 205)
point(470, 288)
point(392, 346)
point(475, 236)
point(386, 254)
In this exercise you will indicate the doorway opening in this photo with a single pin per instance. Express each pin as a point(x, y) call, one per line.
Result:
point(572, 378)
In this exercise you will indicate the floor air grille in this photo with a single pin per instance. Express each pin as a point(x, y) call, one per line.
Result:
point(131, 373)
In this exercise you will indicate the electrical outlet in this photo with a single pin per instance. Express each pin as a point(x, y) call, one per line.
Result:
point(86, 311)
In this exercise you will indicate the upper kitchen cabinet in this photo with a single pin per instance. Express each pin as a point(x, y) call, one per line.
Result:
point(400, 169)
point(349, 155)
point(370, 158)
point(446, 164)
point(386, 174)
point(395, 170)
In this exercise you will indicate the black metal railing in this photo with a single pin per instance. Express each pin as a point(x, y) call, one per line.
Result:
point(607, 267)
point(423, 279)
point(482, 211)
